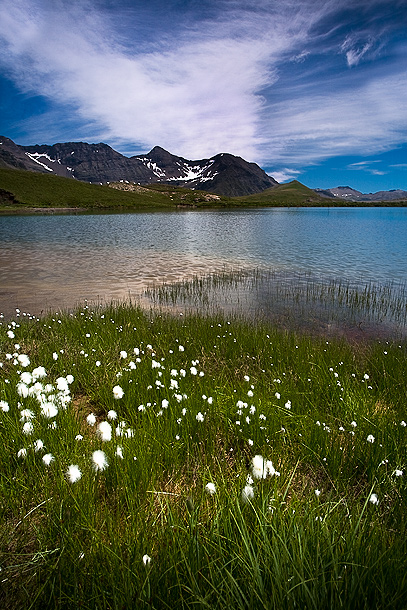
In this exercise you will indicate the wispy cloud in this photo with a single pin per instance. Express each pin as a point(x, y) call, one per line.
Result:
point(217, 84)
point(285, 174)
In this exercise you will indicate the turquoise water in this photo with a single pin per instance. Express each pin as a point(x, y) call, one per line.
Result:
point(56, 261)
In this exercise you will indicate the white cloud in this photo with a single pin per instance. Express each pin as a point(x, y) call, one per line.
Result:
point(365, 120)
point(284, 175)
point(206, 88)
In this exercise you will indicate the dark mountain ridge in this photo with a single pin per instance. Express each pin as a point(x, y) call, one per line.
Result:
point(224, 174)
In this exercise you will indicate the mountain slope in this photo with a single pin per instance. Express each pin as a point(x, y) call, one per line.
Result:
point(224, 174)
point(349, 194)
point(290, 194)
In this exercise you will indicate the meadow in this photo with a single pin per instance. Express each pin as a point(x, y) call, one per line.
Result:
point(153, 460)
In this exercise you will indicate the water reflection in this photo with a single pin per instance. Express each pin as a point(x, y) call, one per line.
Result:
point(58, 261)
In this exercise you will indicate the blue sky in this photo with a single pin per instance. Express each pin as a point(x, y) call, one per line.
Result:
point(314, 90)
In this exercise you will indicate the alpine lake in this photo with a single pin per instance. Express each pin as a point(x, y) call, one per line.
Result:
point(326, 270)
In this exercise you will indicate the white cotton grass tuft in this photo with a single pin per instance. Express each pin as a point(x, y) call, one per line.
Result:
point(62, 384)
point(210, 489)
point(374, 499)
point(48, 458)
point(262, 468)
point(39, 373)
point(26, 378)
point(105, 431)
point(73, 473)
point(91, 419)
point(99, 460)
point(112, 415)
point(146, 560)
point(4, 406)
point(247, 493)
point(28, 428)
point(370, 438)
point(118, 392)
point(200, 417)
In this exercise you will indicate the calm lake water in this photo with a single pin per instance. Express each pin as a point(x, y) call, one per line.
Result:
point(54, 261)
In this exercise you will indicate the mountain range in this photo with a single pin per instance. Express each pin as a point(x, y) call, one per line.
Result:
point(350, 194)
point(224, 174)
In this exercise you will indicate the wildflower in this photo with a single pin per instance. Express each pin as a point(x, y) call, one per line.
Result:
point(398, 473)
point(39, 373)
point(4, 406)
point(99, 460)
point(23, 360)
point(10, 334)
point(210, 488)
point(246, 378)
point(70, 379)
point(200, 417)
point(26, 415)
point(353, 423)
point(370, 438)
point(62, 384)
point(403, 423)
point(193, 370)
point(21, 453)
point(181, 348)
point(247, 493)
point(47, 459)
point(277, 395)
point(123, 354)
point(317, 493)
point(119, 451)
point(91, 419)
point(118, 392)
point(262, 468)
point(105, 431)
point(374, 499)
point(28, 428)
point(146, 560)
point(112, 414)
point(288, 404)
point(22, 390)
point(38, 445)
point(98, 363)
point(250, 393)
point(73, 473)
point(366, 376)
point(78, 437)
point(55, 356)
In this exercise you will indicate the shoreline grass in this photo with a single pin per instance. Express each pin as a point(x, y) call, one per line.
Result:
point(114, 421)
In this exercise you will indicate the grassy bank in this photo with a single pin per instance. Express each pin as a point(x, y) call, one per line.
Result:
point(129, 476)
point(22, 190)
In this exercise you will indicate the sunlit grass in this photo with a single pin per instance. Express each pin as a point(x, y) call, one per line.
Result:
point(129, 475)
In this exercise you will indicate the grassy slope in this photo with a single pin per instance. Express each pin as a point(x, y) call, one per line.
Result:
point(42, 190)
point(291, 194)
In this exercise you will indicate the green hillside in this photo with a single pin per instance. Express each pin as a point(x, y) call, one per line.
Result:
point(291, 194)
point(23, 190)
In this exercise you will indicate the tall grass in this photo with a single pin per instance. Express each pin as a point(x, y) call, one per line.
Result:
point(197, 397)
point(296, 300)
